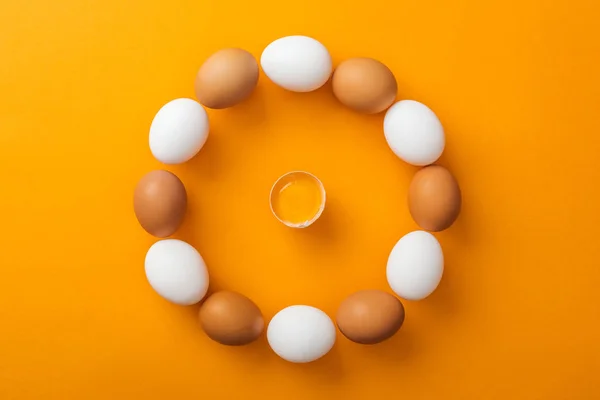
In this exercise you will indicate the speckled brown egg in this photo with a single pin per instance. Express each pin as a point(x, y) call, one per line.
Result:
point(231, 318)
point(364, 85)
point(434, 198)
point(370, 316)
point(226, 78)
point(160, 202)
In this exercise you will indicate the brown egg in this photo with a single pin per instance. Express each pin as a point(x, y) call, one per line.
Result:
point(231, 318)
point(226, 78)
point(365, 85)
point(160, 202)
point(434, 198)
point(370, 316)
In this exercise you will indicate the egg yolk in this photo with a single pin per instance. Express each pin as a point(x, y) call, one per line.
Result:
point(297, 198)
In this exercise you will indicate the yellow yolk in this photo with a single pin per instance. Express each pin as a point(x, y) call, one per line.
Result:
point(297, 198)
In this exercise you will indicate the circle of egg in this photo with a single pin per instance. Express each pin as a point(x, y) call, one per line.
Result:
point(298, 333)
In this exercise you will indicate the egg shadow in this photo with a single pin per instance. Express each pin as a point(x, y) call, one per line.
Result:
point(189, 228)
point(460, 230)
point(326, 370)
point(323, 95)
point(444, 301)
point(233, 120)
point(324, 233)
point(256, 353)
point(399, 348)
point(249, 113)
point(374, 121)
point(324, 229)
point(317, 104)
point(472, 209)
point(191, 234)
point(207, 163)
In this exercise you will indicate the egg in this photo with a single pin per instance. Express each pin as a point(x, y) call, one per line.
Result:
point(178, 131)
point(415, 265)
point(414, 132)
point(160, 202)
point(301, 334)
point(176, 271)
point(231, 318)
point(364, 85)
point(297, 63)
point(226, 78)
point(434, 198)
point(370, 316)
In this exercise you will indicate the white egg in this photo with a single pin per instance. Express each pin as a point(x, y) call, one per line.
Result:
point(415, 265)
point(178, 131)
point(301, 334)
point(176, 271)
point(414, 132)
point(297, 63)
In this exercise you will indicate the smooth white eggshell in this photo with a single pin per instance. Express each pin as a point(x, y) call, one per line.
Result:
point(297, 63)
point(301, 334)
point(414, 132)
point(178, 131)
point(176, 271)
point(415, 265)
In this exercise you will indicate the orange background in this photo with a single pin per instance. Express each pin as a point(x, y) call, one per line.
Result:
point(514, 82)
